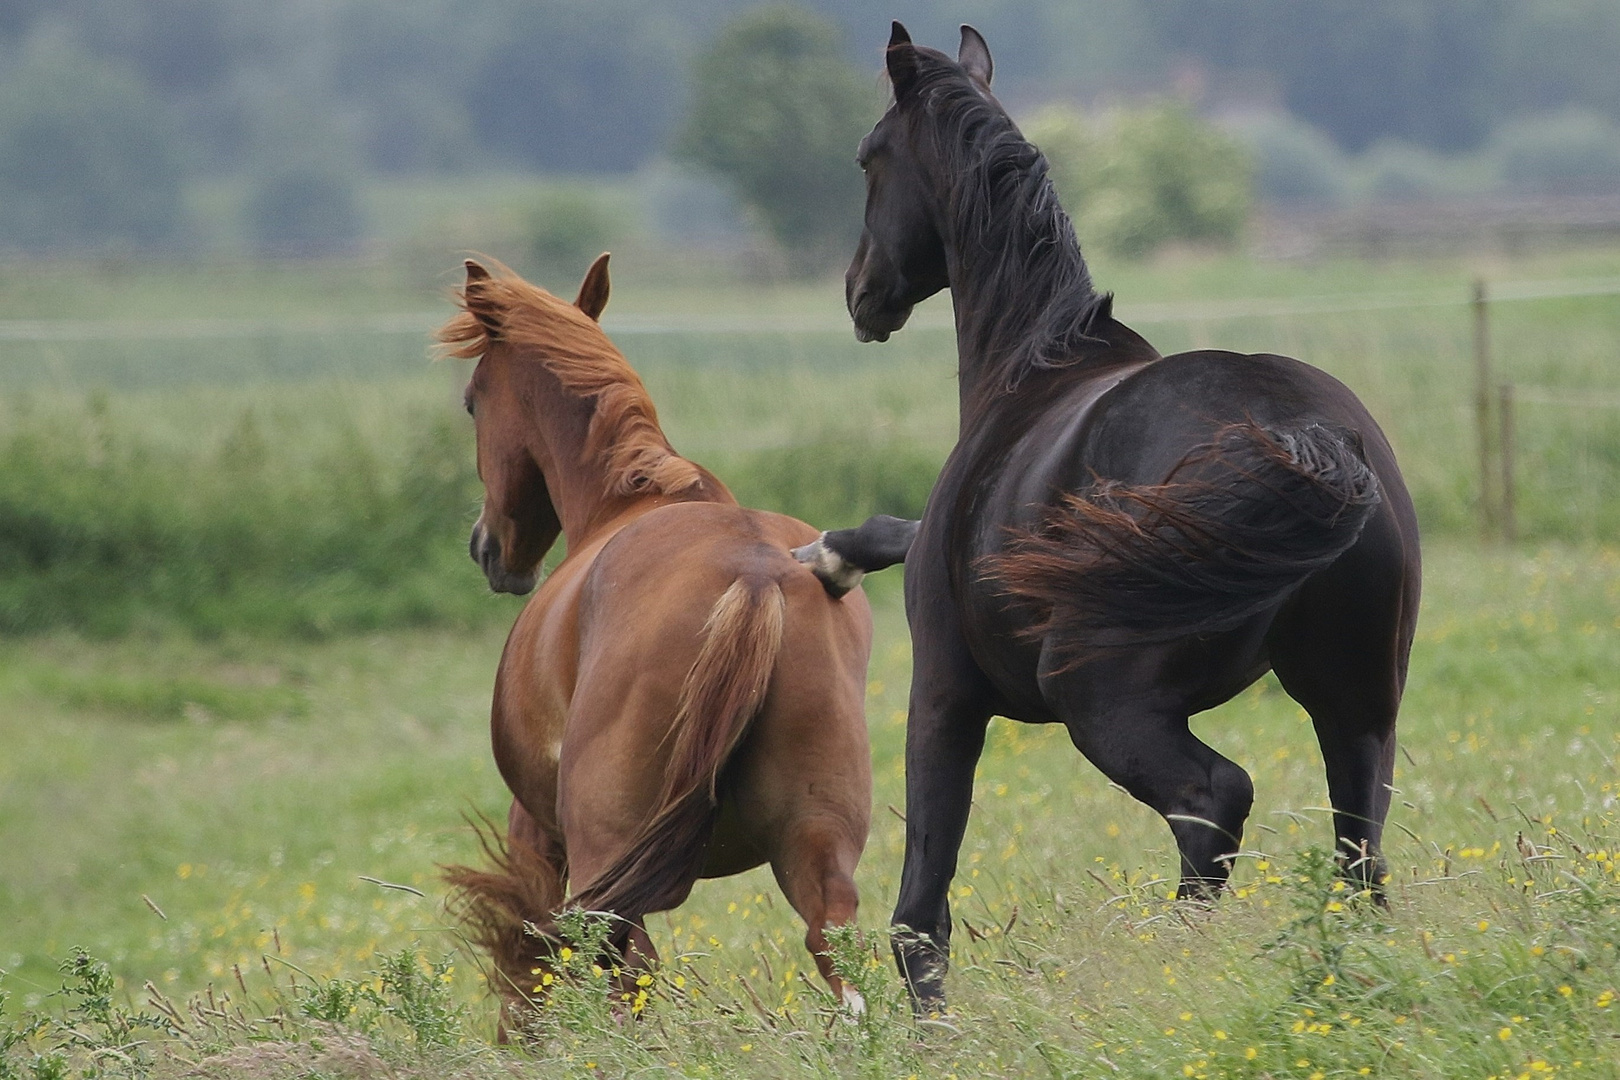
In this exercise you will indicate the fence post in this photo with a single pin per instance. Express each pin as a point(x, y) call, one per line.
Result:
point(1505, 418)
point(1482, 406)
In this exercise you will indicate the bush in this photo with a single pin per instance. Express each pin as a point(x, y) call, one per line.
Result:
point(1565, 153)
point(835, 479)
point(103, 531)
point(1294, 163)
point(308, 527)
point(1401, 172)
point(567, 229)
point(1145, 177)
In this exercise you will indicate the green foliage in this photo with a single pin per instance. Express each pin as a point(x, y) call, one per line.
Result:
point(102, 529)
point(568, 227)
point(777, 110)
point(1294, 163)
point(88, 157)
point(416, 993)
point(14, 1036)
point(99, 1029)
point(835, 478)
point(1145, 177)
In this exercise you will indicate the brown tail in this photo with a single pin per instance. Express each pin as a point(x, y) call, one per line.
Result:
point(494, 905)
point(719, 699)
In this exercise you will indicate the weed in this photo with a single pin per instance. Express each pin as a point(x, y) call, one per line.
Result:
point(416, 993)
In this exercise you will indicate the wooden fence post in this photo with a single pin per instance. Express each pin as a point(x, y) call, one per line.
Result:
point(1505, 418)
point(1482, 406)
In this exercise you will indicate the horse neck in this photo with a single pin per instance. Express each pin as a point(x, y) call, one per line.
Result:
point(579, 482)
point(1003, 291)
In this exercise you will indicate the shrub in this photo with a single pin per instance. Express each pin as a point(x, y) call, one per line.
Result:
point(1401, 172)
point(568, 228)
point(305, 208)
point(1565, 153)
point(1294, 163)
point(1144, 177)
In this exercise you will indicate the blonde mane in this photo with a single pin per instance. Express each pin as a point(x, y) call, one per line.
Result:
point(624, 433)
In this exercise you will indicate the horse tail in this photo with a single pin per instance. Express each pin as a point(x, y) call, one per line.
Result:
point(719, 699)
point(503, 908)
point(1238, 524)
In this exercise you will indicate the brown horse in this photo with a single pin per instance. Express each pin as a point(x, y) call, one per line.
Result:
point(680, 699)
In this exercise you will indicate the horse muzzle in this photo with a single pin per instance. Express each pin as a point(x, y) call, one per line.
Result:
point(874, 321)
point(485, 549)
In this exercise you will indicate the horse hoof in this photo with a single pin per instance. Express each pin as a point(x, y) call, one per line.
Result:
point(836, 575)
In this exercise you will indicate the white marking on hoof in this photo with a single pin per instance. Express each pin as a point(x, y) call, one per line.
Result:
point(837, 575)
point(853, 1001)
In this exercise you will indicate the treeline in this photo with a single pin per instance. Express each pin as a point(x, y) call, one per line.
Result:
point(298, 96)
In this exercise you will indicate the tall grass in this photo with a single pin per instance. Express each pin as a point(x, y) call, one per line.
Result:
point(261, 838)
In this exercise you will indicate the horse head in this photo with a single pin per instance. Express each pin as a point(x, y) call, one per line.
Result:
point(901, 258)
point(519, 522)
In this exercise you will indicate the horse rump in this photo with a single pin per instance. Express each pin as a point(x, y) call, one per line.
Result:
point(719, 699)
point(1238, 524)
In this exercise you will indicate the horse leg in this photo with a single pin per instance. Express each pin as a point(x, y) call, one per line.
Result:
point(815, 868)
point(1140, 740)
point(1340, 649)
point(944, 738)
point(1203, 796)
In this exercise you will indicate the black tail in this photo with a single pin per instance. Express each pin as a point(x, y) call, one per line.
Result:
point(1236, 526)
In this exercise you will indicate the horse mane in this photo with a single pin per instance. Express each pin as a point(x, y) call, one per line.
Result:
point(624, 432)
point(1010, 230)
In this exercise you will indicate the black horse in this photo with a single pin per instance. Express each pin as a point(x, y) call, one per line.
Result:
point(1119, 540)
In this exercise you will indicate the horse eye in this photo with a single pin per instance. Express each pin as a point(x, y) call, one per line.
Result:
point(467, 403)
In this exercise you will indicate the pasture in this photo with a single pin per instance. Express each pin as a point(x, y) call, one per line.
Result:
point(283, 693)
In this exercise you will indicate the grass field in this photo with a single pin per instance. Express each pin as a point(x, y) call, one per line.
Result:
point(241, 753)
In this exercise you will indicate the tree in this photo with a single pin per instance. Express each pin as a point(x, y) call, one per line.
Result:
point(778, 112)
point(87, 155)
point(1145, 176)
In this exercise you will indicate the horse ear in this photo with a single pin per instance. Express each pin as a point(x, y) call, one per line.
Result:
point(593, 291)
point(974, 55)
point(901, 59)
point(477, 300)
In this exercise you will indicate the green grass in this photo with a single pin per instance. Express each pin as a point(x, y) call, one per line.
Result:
point(250, 814)
point(182, 448)
point(255, 665)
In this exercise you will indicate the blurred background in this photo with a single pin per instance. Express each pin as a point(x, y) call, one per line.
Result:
point(309, 127)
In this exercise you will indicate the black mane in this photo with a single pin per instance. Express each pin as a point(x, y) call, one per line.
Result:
point(1008, 223)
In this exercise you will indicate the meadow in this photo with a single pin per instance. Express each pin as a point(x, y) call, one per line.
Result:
point(245, 672)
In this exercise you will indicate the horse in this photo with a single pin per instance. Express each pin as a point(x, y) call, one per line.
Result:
point(680, 698)
point(1119, 539)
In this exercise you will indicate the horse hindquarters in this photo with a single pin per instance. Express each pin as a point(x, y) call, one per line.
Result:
point(654, 868)
point(805, 779)
point(1339, 648)
point(1124, 576)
